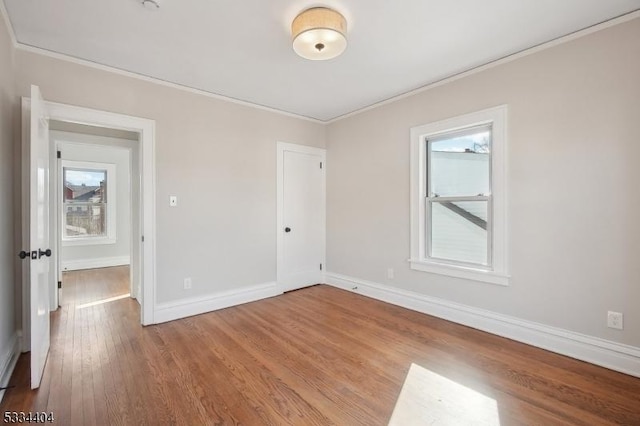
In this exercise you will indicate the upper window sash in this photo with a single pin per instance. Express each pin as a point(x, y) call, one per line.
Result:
point(459, 133)
point(452, 154)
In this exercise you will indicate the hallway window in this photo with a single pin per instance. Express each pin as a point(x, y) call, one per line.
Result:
point(88, 202)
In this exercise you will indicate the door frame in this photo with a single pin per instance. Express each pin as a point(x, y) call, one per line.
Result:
point(92, 117)
point(281, 148)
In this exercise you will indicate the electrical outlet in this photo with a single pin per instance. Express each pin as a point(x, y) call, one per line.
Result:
point(615, 320)
point(187, 283)
point(390, 273)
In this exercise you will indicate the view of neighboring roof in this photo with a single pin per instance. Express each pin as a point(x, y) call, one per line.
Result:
point(82, 192)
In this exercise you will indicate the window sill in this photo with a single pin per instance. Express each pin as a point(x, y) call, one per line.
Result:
point(88, 241)
point(460, 272)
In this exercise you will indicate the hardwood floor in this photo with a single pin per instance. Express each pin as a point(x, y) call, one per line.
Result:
point(314, 356)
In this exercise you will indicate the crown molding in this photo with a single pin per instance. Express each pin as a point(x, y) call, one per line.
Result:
point(154, 80)
point(506, 59)
point(95, 65)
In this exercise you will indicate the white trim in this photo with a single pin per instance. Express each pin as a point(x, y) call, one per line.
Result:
point(198, 305)
point(605, 353)
point(504, 60)
point(457, 271)
point(98, 262)
point(55, 177)
point(146, 129)
point(498, 272)
point(281, 148)
point(523, 53)
point(8, 362)
point(24, 220)
point(154, 80)
point(88, 241)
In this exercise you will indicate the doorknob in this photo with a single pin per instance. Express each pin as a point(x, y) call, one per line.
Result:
point(46, 252)
point(287, 229)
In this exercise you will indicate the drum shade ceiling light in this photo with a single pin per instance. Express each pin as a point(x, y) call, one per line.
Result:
point(319, 33)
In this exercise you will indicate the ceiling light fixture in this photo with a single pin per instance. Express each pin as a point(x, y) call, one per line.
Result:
point(319, 33)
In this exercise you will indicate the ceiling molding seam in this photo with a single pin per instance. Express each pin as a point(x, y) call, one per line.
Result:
point(543, 46)
point(131, 74)
point(146, 78)
point(506, 59)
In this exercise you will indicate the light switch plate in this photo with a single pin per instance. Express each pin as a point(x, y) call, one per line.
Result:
point(173, 200)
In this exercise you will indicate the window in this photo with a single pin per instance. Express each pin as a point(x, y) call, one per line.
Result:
point(88, 203)
point(458, 197)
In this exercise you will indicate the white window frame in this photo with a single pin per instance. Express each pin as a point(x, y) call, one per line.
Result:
point(110, 237)
point(497, 272)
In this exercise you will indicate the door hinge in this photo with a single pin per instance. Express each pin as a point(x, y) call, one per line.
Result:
point(59, 284)
point(143, 238)
point(59, 154)
point(321, 266)
point(321, 164)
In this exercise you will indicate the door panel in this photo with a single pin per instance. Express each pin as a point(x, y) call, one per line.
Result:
point(303, 213)
point(40, 263)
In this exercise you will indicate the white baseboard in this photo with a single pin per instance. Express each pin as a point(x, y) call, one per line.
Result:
point(198, 305)
point(8, 361)
point(100, 262)
point(612, 355)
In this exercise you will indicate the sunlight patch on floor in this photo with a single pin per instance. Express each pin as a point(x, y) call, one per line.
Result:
point(426, 398)
point(100, 302)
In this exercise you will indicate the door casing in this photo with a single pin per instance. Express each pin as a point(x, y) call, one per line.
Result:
point(91, 117)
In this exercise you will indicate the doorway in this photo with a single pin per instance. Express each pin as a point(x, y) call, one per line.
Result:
point(301, 215)
point(95, 181)
point(144, 236)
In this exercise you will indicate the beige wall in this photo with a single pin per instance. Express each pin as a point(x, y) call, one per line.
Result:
point(7, 254)
point(573, 199)
point(218, 157)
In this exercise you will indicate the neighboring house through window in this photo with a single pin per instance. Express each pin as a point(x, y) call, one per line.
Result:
point(88, 207)
point(458, 197)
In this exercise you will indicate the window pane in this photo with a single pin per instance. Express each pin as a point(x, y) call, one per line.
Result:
point(85, 185)
point(84, 198)
point(459, 163)
point(459, 231)
point(85, 219)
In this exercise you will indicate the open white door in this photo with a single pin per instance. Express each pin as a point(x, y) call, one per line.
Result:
point(40, 263)
point(301, 216)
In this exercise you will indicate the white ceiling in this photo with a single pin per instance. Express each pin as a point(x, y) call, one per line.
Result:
point(242, 49)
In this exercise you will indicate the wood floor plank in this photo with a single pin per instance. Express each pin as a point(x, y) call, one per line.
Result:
point(109, 391)
point(315, 356)
point(120, 392)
